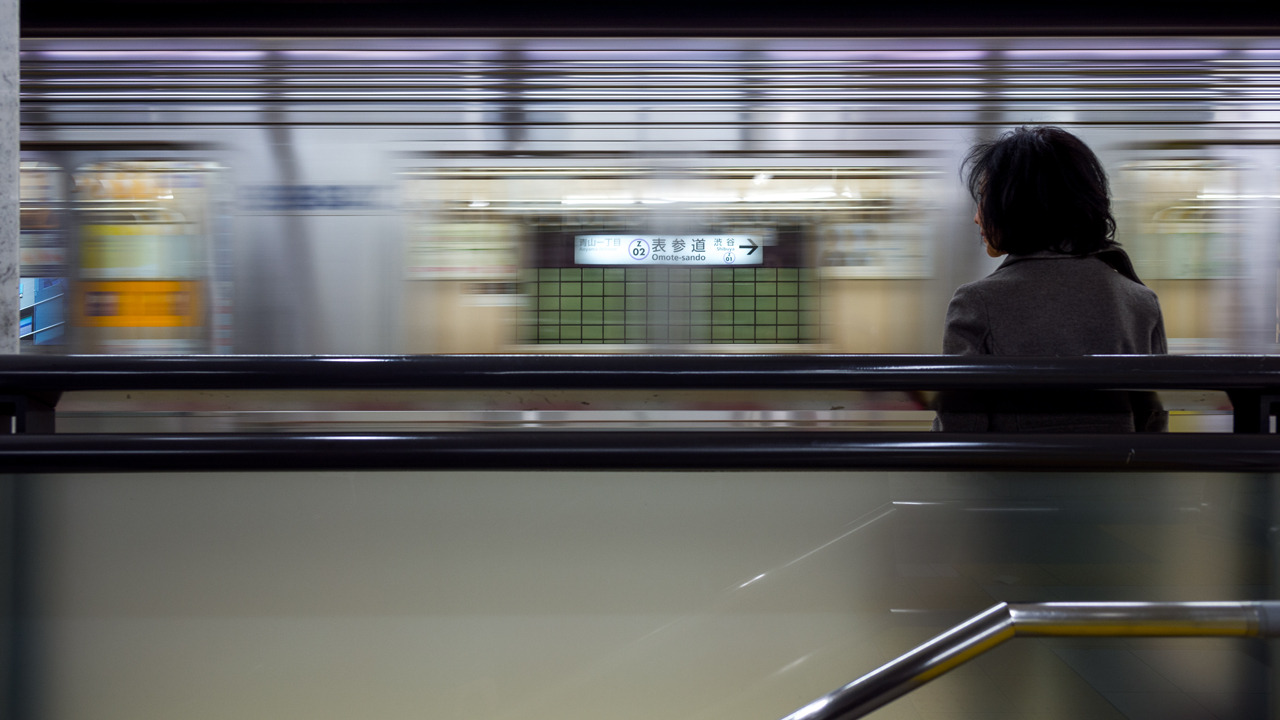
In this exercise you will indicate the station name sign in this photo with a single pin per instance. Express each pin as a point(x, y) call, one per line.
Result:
point(668, 250)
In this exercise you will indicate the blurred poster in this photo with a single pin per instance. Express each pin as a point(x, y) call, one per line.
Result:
point(464, 251)
point(873, 250)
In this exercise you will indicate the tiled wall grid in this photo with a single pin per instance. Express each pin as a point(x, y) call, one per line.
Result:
point(671, 305)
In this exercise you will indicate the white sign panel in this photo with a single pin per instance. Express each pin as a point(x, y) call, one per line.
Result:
point(668, 250)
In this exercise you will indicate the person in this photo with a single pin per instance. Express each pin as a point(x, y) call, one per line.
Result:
point(1065, 287)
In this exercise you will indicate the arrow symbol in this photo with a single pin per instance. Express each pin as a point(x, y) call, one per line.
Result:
point(753, 246)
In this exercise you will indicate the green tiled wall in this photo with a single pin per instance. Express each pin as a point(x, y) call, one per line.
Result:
point(671, 305)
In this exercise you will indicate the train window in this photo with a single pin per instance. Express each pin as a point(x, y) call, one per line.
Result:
point(1182, 222)
point(144, 256)
point(42, 257)
point(643, 257)
point(1181, 218)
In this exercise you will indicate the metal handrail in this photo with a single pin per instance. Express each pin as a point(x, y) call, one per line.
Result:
point(69, 373)
point(1251, 381)
point(1005, 621)
point(639, 450)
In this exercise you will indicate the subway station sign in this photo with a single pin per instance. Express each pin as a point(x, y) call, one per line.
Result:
point(721, 250)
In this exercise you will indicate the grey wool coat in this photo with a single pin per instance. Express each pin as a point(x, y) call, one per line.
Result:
point(1051, 304)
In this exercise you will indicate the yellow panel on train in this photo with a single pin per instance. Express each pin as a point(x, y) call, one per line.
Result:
point(140, 303)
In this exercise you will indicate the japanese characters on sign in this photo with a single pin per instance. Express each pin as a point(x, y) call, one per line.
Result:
point(719, 250)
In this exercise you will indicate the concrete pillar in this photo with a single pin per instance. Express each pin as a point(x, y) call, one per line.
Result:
point(9, 176)
point(13, 702)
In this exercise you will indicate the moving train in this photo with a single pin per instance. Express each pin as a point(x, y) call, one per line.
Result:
point(475, 195)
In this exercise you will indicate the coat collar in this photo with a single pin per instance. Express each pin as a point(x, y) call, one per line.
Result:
point(1113, 256)
point(1011, 259)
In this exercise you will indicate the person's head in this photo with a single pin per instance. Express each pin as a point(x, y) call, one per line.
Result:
point(1040, 188)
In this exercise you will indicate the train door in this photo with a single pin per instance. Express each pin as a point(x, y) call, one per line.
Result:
point(147, 281)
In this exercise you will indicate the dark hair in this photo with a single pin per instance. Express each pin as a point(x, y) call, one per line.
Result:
point(1041, 188)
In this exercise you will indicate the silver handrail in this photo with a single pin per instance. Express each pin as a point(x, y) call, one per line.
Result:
point(1004, 621)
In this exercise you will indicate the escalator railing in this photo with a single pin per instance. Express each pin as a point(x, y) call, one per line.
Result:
point(1006, 621)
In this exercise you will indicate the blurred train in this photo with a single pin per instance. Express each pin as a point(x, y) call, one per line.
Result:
point(473, 195)
point(620, 194)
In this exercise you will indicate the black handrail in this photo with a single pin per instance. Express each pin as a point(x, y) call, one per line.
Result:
point(640, 450)
point(31, 385)
point(68, 373)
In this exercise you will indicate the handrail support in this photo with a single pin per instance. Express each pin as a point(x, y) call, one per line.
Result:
point(33, 413)
point(1252, 411)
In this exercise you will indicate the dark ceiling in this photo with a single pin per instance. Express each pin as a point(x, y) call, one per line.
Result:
point(639, 17)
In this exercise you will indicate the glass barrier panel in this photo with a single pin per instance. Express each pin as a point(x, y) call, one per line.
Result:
point(620, 595)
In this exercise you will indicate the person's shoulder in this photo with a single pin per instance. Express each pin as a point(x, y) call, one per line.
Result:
point(1138, 288)
point(1141, 293)
point(1134, 292)
point(972, 290)
point(1009, 275)
point(1131, 285)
